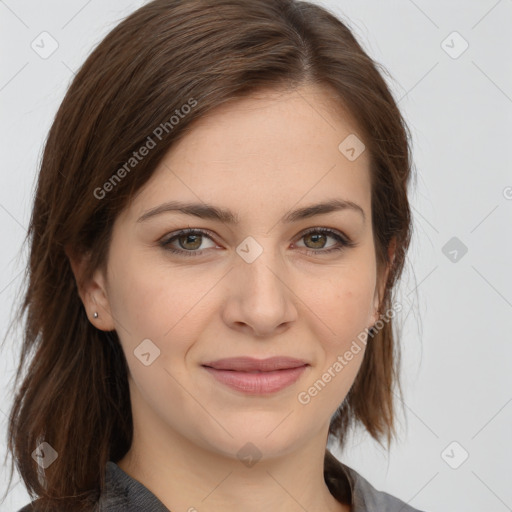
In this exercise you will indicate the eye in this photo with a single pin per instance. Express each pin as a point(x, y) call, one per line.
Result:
point(191, 239)
point(318, 237)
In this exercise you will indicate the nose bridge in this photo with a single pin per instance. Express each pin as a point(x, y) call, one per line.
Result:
point(261, 265)
point(260, 285)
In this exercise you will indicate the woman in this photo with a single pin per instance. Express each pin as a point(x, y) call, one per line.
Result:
point(220, 219)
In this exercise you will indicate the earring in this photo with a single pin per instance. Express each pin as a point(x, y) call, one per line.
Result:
point(95, 314)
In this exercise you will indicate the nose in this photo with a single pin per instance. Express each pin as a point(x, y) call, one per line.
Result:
point(261, 301)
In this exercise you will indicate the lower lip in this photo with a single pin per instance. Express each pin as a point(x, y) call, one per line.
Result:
point(257, 383)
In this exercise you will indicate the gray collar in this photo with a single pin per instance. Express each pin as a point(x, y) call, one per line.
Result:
point(125, 494)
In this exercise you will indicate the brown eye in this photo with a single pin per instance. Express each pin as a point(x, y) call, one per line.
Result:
point(317, 240)
point(190, 242)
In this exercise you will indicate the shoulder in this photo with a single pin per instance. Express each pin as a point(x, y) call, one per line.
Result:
point(36, 506)
point(367, 498)
point(348, 486)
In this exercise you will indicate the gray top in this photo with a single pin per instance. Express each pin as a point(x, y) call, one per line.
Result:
point(125, 494)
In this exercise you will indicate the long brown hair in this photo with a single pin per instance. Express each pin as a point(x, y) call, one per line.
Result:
point(167, 55)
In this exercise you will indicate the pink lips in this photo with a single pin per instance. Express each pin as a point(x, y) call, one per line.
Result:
point(256, 376)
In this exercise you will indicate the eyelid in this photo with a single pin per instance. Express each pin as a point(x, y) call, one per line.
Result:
point(211, 234)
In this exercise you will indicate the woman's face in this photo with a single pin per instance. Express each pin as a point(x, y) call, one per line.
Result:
point(259, 287)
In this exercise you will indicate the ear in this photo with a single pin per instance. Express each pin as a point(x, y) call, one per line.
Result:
point(93, 291)
point(382, 280)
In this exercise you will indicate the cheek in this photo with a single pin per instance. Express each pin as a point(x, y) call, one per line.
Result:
point(152, 310)
point(169, 307)
point(149, 297)
point(343, 313)
point(343, 310)
point(343, 304)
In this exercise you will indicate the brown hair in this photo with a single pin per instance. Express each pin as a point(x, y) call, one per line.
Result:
point(164, 56)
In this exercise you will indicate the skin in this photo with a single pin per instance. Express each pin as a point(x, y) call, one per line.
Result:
point(261, 157)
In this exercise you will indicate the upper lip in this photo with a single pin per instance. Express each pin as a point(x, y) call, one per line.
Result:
point(249, 364)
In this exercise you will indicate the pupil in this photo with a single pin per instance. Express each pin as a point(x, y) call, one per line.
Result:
point(192, 237)
point(316, 237)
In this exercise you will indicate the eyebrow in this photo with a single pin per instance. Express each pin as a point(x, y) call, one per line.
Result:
point(207, 211)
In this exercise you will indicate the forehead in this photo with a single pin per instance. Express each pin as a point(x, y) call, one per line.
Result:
point(274, 149)
point(270, 122)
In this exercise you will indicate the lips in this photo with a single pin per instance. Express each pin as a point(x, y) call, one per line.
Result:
point(250, 364)
point(257, 376)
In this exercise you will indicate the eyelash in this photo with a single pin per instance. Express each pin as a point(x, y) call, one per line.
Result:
point(343, 240)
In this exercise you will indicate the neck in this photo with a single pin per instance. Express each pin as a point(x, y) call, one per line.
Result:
point(186, 476)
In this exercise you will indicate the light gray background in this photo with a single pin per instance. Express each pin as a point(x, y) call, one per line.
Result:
point(456, 321)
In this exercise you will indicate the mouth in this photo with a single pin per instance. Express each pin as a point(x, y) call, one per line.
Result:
point(257, 376)
point(250, 364)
